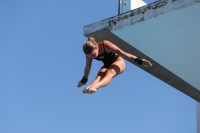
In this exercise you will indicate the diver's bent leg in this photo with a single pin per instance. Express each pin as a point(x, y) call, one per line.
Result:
point(106, 79)
point(99, 76)
point(116, 68)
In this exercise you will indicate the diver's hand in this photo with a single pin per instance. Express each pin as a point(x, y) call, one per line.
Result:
point(146, 63)
point(82, 82)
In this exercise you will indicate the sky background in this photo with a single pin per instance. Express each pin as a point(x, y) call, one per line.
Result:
point(41, 62)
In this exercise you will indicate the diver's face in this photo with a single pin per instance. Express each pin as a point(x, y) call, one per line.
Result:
point(94, 53)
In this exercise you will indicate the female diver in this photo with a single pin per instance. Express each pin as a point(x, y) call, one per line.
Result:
point(111, 56)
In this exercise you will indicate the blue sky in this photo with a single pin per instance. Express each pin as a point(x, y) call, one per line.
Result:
point(41, 62)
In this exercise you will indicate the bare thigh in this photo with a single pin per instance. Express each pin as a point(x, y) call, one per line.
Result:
point(101, 73)
point(117, 67)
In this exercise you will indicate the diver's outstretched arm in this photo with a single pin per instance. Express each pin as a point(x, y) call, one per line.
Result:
point(110, 47)
point(87, 68)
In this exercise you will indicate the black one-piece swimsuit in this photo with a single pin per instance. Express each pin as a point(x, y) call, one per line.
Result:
point(107, 58)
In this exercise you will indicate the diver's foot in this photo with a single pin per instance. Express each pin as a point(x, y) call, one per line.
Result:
point(90, 89)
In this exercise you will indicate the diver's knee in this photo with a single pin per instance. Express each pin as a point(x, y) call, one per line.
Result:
point(111, 73)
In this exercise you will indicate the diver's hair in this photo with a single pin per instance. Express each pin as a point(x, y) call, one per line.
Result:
point(89, 45)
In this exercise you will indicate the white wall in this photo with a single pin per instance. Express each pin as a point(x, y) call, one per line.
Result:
point(136, 4)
